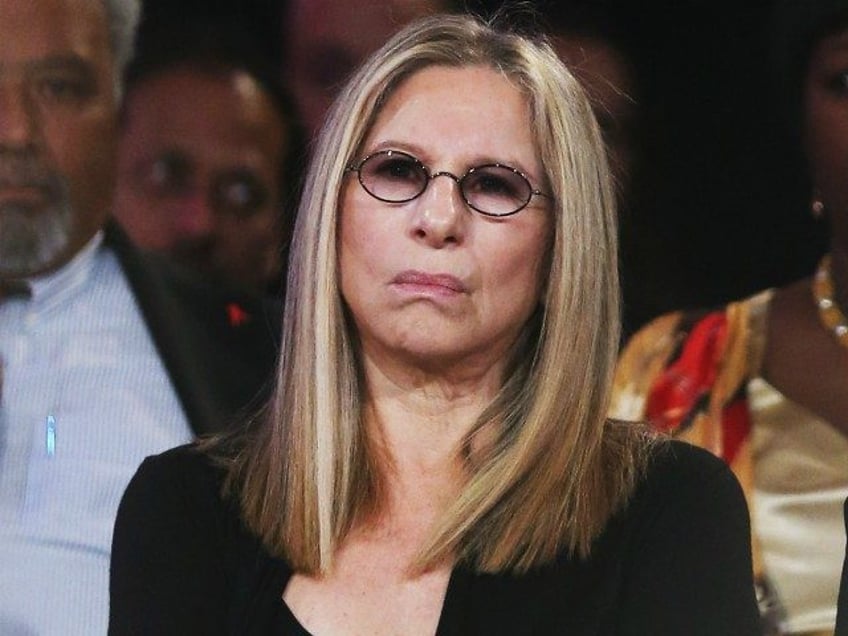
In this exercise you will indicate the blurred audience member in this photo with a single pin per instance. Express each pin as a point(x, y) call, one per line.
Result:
point(325, 40)
point(761, 382)
point(207, 154)
point(105, 355)
point(593, 39)
point(589, 39)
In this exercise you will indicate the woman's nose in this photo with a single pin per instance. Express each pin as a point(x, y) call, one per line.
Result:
point(440, 213)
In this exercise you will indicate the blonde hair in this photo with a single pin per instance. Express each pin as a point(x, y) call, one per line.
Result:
point(556, 469)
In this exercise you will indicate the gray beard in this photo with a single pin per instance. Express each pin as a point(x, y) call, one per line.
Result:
point(32, 240)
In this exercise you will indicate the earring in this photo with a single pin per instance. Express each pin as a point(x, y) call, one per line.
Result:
point(817, 206)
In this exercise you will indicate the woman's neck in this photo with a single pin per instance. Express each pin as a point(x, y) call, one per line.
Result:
point(419, 424)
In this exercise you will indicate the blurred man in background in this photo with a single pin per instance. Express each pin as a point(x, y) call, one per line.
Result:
point(325, 40)
point(208, 152)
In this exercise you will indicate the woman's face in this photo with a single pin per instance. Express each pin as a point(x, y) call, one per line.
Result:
point(826, 127)
point(431, 282)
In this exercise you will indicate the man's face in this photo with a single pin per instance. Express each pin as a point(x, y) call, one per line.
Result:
point(57, 131)
point(203, 185)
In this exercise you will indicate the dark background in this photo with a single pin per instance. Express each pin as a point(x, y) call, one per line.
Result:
point(719, 206)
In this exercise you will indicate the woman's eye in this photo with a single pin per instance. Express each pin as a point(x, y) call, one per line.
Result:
point(493, 185)
point(399, 169)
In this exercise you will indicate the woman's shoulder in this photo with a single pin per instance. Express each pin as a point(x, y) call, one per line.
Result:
point(675, 462)
point(687, 502)
point(179, 545)
point(680, 549)
point(184, 480)
point(186, 465)
point(685, 485)
point(675, 559)
point(177, 499)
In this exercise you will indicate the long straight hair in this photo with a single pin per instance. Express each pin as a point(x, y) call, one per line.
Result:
point(553, 469)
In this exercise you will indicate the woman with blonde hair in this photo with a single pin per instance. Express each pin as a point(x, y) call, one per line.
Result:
point(436, 457)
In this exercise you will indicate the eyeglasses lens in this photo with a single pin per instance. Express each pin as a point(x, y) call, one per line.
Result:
point(392, 176)
point(496, 190)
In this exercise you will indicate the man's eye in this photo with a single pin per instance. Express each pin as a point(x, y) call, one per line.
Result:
point(168, 174)
point(63, 89)
point(839, 82)
point(240, 195)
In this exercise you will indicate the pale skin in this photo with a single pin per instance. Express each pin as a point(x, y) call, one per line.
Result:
point(803, 360)
point(433, 357)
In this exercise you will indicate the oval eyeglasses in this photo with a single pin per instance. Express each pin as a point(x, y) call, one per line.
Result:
point(492, 189)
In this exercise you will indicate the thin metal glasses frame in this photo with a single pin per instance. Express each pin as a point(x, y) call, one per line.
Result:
point(460, 181)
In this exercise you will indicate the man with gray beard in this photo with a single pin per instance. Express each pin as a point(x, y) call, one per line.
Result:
point(31, 238)
point(106, 356)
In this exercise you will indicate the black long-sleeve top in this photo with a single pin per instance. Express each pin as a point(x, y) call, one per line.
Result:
point(675, 561)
